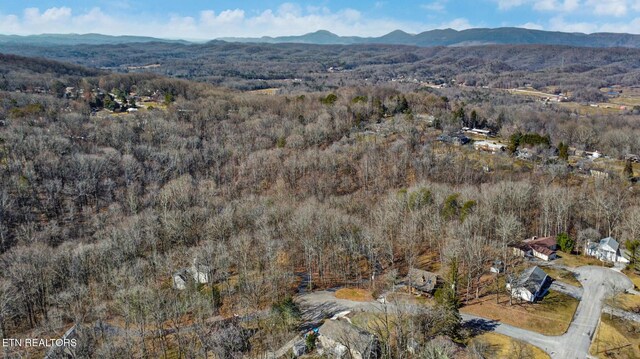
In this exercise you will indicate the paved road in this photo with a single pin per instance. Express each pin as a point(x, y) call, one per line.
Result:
point(597, 284)
point(567, 289)
point(323, 304)
point(543, 342)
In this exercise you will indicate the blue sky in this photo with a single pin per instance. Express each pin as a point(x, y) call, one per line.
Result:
point(222, 18)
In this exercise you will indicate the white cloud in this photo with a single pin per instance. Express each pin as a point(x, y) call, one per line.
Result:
point(53, 15)
point(290, 10)
point(508, 4)
point(379, 4)
point(556, 5)
point(287, 19)
point(608, 7)
point(615, 8)
point(632, 27)
point(456, 24)
point(532, 26)
point(436, 6)
point(209, 17)
point(10, 22)
point(560, 24)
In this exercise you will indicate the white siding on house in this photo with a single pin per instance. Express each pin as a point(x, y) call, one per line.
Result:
point(543, 256)
point(179, 283)
point(605, 252)
point(523, 294)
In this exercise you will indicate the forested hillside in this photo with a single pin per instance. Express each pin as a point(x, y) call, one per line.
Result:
point(99, 208)
point(316, 67)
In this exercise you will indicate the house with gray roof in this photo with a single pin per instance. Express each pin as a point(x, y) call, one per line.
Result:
point(608, 249)
point(340, 339)
point(422, 280)
point(531, 285)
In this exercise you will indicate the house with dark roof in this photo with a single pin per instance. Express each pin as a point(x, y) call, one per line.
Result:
point(544, 248)
point(422, 280)
point(457, 139)
point(531, 285)
point(608, 249)
point(340, 339)
point(520, 250)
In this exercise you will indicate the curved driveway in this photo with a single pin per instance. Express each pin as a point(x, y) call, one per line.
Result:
point(598, 283)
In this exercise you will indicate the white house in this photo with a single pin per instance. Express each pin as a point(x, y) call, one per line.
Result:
point(200, 272)
point(608, 249)
point(181, 279)
point(489, 146)
point(532, 285)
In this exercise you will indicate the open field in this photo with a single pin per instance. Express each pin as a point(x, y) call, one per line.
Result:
point(574, 261)
point(613, 106)
point(635, 277)
point(269, 91)
point(616, 338)
point(502, 346)
point(355, 294)
point(628, 96)
point(550, 316)
point(625, 301)
point(429, 261)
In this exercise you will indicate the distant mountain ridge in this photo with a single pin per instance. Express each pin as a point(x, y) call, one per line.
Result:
point(450, 37)
point(79, 39)
point(441, 37)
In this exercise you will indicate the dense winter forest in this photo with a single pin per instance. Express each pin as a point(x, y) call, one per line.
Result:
point(326, 67)
point(345, 184)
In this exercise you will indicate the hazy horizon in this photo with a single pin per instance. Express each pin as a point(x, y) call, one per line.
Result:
point(166, 19)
